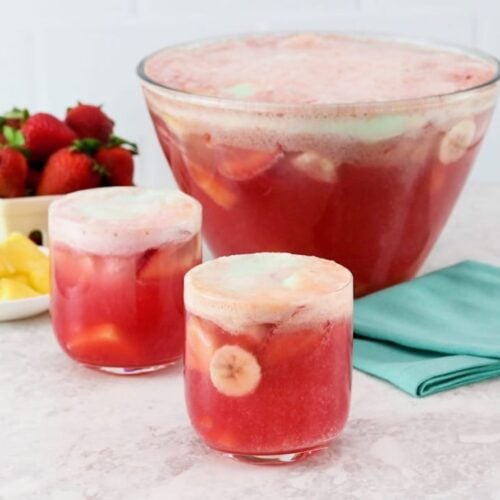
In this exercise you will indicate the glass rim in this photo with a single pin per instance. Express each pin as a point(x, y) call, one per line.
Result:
point(58, 213)
point(218, 297)
point(233, 103)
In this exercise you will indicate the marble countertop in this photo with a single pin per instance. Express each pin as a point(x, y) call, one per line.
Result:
point(67, 432)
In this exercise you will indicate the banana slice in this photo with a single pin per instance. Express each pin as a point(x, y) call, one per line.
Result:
point(456, 141)
point(234, 371)
point(315, 166)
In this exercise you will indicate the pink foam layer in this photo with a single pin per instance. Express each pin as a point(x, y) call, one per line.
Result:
point(312, 68)
point(287, 290)
point(123, 220)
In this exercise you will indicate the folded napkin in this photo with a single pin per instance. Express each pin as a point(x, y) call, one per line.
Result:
point(433, 333)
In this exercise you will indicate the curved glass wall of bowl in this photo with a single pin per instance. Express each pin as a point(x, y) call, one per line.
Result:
point(368, 182)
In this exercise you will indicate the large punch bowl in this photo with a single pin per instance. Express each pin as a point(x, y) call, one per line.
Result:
point(369, 184)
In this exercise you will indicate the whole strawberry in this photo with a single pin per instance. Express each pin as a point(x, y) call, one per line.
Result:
point(44, 134)
point(90, 121)
point(69, 169)
point(118, 163)
point(13, 172)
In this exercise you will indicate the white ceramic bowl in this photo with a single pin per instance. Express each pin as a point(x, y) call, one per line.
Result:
point(25, 215)
point(23, 308)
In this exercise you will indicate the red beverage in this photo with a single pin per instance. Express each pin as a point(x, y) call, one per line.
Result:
point(363, 168)
point(268, 354)
point(119, 256)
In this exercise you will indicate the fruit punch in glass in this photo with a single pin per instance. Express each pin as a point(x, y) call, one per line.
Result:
point(351, 148)
point(268, 354)
point(118, 258)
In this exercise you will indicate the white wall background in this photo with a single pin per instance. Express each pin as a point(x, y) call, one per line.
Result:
point(55, 52)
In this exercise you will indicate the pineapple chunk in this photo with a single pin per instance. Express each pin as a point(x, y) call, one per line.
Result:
point(20, 278)
point(6, 268)
point(19, 255)
point(11, 290)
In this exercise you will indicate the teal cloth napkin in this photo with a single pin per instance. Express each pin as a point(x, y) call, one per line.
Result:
point(433, 333)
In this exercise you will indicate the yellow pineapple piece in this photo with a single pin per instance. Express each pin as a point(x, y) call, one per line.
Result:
point(20, 278)
point(6, 268)
point(11, 290)
point(21, 256)
point(40, 279)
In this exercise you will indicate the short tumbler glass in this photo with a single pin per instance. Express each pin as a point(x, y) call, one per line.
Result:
point(268, 354)
point(118, 258)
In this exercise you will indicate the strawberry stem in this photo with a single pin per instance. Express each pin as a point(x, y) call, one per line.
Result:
point(87, 145)
point(119, 141)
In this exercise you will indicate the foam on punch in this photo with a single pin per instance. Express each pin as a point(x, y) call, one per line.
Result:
point(123, 220)
point(313, 68)
point(290, 291)
point(303, 90)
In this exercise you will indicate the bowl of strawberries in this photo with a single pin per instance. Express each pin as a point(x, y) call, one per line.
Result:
point(43, 157)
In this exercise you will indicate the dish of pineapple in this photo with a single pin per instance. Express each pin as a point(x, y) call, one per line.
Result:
point(24, 278)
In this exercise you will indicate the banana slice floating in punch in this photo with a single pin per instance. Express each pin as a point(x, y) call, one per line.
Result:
point(234, 371)
point(456, 141)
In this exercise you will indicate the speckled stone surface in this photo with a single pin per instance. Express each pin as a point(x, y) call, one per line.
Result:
point(67, 432)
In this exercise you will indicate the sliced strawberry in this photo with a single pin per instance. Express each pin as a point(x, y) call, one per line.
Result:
point(197, 154)
point(158, 263)
point(252, 338)
point(285, 347)
point(240, 164)
point(103, 345)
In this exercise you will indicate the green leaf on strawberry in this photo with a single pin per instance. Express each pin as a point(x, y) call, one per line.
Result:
point(13, 136)
point(88, 145)
point(15, 139)
point(119, 141)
